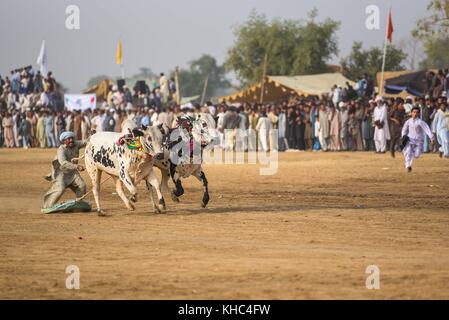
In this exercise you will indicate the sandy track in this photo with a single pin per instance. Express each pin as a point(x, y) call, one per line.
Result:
point(307, 232)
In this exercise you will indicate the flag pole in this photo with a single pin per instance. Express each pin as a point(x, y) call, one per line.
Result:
point(381, 84)
point(122, 69)
point(263, 77)
point(178, 89)
point(203, 95)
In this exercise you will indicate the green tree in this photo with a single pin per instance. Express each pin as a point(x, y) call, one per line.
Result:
point(369, 61)
point(433, 31)
point(436, 51)
point(96, 80)
point(192, 79)
point(437, 24)
point(293, 47)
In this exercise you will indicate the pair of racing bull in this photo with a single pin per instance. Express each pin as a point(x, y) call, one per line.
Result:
point(131, 156)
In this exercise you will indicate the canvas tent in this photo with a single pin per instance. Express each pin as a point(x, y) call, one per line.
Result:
point(391, 74)
point(413, 83)
point(279, 87)
point(404, 83)
point(185, 100)
point(101, 90)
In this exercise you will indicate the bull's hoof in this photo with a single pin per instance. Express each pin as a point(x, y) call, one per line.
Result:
point(133, 198)
point(205, 200)
point(157, 209)
point(131, 207)
point(101, 213)
point(174, 197)
point(179, 191)
point(162, 204)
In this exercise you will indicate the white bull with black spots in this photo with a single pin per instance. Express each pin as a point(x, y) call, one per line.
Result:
point(182, 158)
point(177, 166)
point(127, 166)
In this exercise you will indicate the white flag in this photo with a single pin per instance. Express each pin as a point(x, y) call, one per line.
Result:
point(42, 60)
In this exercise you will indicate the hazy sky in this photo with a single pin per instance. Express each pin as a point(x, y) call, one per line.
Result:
point(162, 34)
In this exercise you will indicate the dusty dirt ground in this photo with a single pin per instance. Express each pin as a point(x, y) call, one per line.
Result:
point(308, 232)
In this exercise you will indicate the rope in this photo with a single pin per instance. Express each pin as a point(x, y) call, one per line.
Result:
point(75, 160)
point(86, 194)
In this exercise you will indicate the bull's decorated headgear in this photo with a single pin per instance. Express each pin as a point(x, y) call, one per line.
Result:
point(132, 139)
point(185, 121)
point(66, 135)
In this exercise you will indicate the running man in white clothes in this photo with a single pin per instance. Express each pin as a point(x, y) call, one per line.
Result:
point(415, 129)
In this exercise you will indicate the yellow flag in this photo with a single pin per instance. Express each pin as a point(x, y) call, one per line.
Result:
point(119, 52)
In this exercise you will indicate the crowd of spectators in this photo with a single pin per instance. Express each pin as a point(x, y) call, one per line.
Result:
point(32, 114)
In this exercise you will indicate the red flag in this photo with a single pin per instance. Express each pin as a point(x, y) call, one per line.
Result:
point(390, 27)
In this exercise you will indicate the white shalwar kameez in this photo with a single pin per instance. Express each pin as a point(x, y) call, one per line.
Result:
point(381, 135)
point(220, 134)
point(264, 126)
point(415, 129)
point(439, 126)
